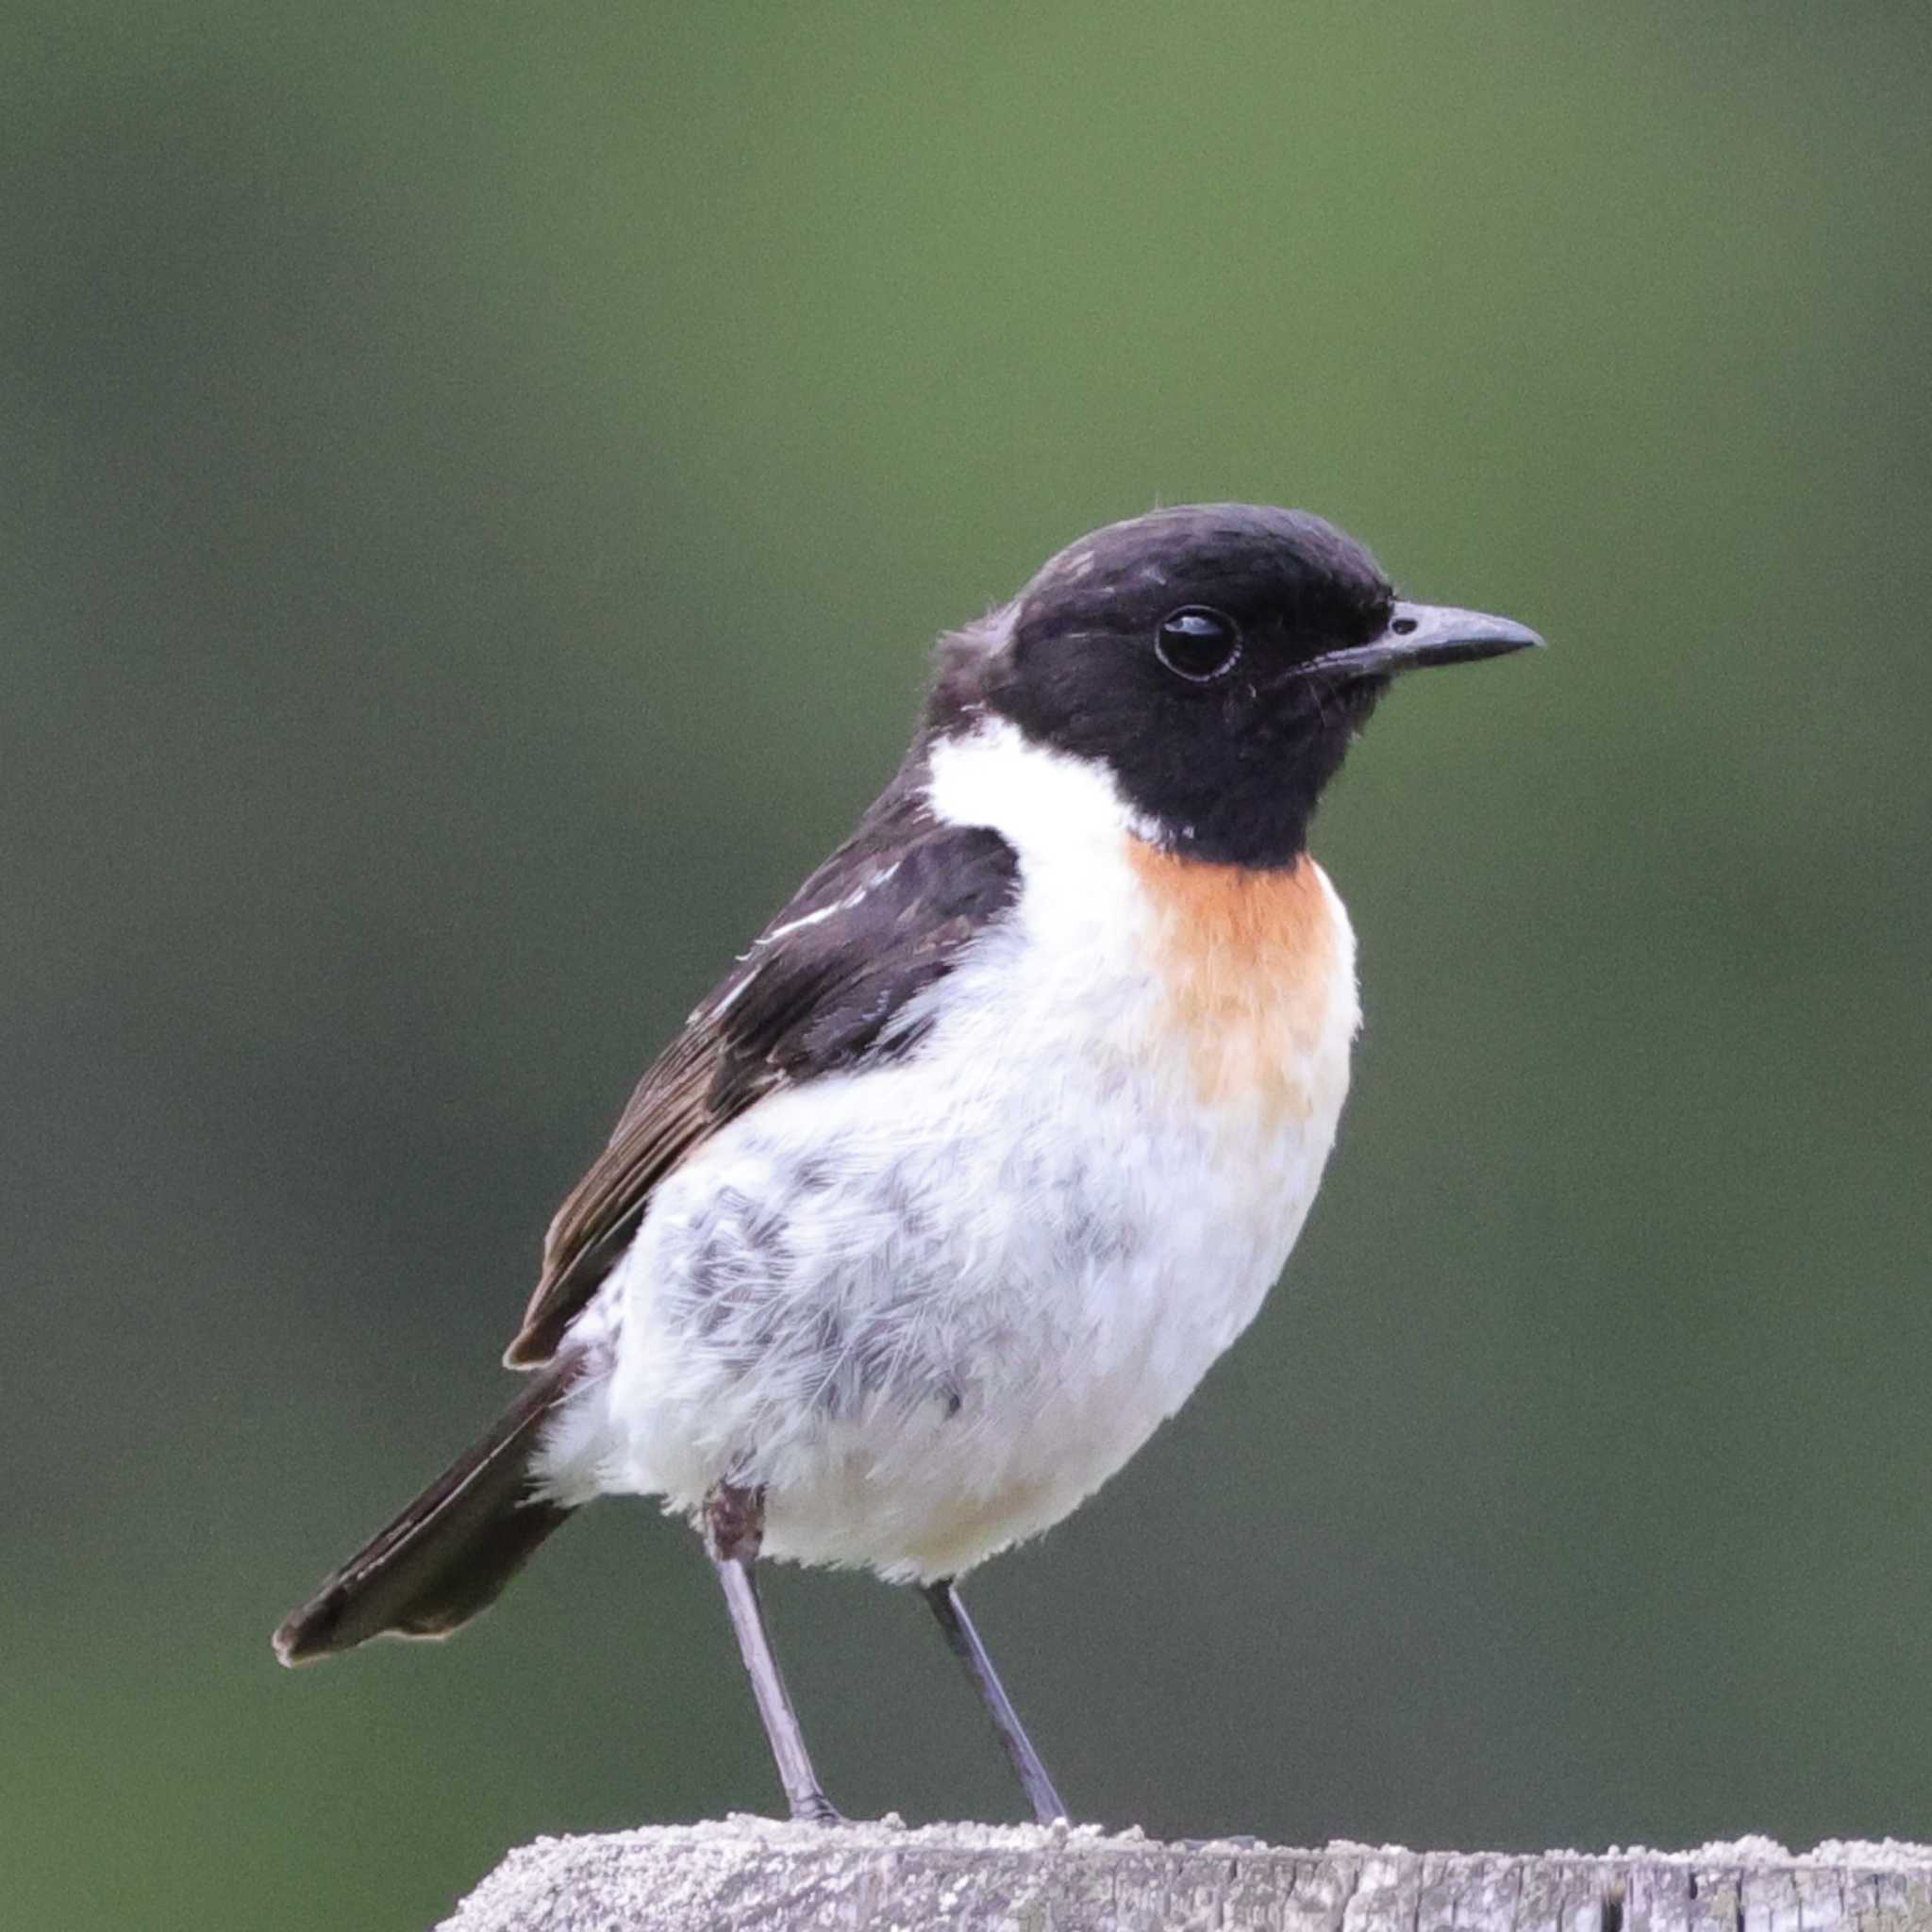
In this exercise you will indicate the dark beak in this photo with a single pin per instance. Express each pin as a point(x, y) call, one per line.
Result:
point(1424, 634)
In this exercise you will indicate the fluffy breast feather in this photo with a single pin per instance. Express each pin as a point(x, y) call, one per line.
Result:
point(932, 1303)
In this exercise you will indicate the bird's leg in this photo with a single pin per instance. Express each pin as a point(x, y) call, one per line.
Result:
point(964, 1640)
point(734, 1529)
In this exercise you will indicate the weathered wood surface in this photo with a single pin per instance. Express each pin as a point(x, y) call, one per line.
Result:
point(750, 1875)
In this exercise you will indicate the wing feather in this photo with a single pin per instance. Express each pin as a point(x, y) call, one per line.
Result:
point(831, 984)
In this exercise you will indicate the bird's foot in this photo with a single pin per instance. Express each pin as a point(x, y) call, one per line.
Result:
point(816, 1809)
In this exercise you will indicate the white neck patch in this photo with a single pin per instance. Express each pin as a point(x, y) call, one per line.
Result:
point(1044, 803)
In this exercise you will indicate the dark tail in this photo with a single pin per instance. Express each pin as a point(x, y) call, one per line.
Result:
point(451, 1552)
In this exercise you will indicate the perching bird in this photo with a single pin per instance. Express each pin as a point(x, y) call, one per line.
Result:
point(998, 1136)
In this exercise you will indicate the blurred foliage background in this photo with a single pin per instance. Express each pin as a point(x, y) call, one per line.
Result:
point(478, 483)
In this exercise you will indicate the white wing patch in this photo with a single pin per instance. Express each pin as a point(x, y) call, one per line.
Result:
point(749, 959)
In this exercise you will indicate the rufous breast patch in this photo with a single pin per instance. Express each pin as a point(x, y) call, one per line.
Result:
point(1258, 976)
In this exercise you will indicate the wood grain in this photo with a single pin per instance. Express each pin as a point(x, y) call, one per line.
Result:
point(746, 1874)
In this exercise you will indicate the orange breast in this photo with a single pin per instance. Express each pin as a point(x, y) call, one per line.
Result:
point(1257, 978)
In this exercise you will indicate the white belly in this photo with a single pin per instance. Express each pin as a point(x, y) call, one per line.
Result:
point(929, 1307)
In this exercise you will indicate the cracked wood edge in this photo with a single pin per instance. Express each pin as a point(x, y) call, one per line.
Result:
point(748, 1875)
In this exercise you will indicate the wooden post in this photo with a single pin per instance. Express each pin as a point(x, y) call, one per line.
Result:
point(752, 1874)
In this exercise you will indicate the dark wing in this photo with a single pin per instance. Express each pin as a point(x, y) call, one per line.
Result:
point(825, 987)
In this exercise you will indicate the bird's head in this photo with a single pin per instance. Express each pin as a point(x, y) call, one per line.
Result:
point(1217, 659)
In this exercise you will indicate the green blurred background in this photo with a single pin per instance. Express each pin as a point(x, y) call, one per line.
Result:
point(479, 485)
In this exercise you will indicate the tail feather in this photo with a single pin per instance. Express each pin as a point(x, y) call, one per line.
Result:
point(450, 1553)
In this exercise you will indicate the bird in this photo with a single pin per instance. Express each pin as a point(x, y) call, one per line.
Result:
point(995, 1138)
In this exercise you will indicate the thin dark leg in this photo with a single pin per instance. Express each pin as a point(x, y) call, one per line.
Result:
point(964, 1640)
point(734, 1527)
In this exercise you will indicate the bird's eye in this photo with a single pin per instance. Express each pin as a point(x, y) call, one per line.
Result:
point(1198, 643)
